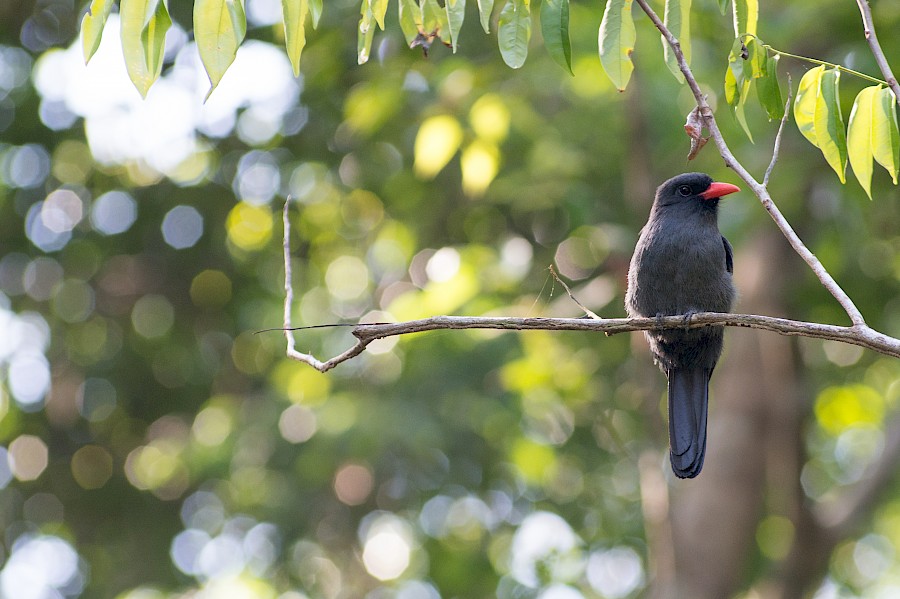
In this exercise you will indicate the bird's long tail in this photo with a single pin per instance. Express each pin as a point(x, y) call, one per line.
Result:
point(688, 402)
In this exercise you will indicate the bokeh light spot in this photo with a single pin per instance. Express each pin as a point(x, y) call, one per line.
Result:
point(182, 227)
point(28, 457)
point(249, 226)
point(96, 399)
point(212, 426)
point(387, 547)
point(297, 424)
point(114, 212)
point(211, 288)
point(92, 467)
point(152, 316)
point(437, 141)
point(353, 483)
point(347, 278)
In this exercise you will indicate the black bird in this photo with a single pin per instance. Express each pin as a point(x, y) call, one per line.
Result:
point(682, 265)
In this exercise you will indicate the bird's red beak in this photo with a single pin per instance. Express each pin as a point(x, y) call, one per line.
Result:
point(717, 190)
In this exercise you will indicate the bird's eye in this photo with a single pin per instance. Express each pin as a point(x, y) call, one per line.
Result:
point(684, 190)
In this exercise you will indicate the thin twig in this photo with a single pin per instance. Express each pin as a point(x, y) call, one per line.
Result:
point(777, 147)
point(875, 47)
point(758, 189)
point(569, 291)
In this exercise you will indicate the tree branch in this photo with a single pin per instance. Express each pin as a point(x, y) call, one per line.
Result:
point(875, 47)
point(758, 189)
point(777, 146)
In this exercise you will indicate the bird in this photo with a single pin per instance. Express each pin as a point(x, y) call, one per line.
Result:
point(683, 265)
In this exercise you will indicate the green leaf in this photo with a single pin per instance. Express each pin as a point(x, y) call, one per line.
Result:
point(456, 14)
point(746, 15)
point(829, 123)
point(434, 20)
point(732, 91)
point(805, 104)
point(768, 90)
point(723, 6)
point(485, 7)
point(295, 12)
point(365, 33)
point(616, 41)
point(143, 29)
point(678, 20)
point(92, 26)
point(379, 9)
point(859, 137)
point(756, 57)
point(315, 11)
point(514, 32)
point(739, 109)
point(885, 134)
point(219, 29)
point(410, 20)
point(555, 30)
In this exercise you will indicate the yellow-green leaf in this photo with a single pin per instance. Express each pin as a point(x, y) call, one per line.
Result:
point(485, 7)
point(885, 134)
point(805, 104)
point(143, 29)
point(616, 40)
point(456, 14)
point(379, 9)
point(365, 33)
point(219, 29)
point(746, 15)
point(739, 109)
point(514, 32)
point(315, 11)
point(768, 90)
point(295, 30)
point(829, 123)
point(859, 137)
point(434, 20)
point(92, 26)
point(723, 6)
point(410, 19)
point(756, 57)
point(555, 31)
point(732, 91)
point(677, 18)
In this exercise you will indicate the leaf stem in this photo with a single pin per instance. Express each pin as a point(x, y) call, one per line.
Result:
point(816, 61)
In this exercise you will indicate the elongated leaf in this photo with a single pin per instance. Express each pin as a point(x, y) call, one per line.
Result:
point(756, 58)
point(616, 41)
point(143, 29)
point(219, 29)
point(92, 26)
point(456, 14)
point(805, 104)
point(555, 30)
point(678, 20)
point(732, 90)
point(410, 19)
point(379, 9)
point(485, 8)
point(315, 11)
point(885, 134)
point(736, 61)
point(739, 109)
point(768, 90)
point(434, 20)
point(514, 32)
point(746, 15)
point(295, 12)
point(859, 137)
point(723, 6)
point(365, 33)
point(829, 123)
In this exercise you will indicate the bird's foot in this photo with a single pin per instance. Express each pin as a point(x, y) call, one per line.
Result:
point(686, 321)
point(659, 320)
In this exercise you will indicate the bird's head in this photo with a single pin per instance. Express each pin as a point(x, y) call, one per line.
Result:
point(694, 189)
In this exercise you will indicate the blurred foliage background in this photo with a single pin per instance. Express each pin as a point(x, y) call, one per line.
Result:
point(154, 447)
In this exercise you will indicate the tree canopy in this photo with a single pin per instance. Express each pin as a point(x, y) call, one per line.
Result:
point(155, 446)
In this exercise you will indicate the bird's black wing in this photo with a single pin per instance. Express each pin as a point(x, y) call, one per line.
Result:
point(729, 256)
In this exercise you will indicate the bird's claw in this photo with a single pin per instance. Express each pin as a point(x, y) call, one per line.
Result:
point(686, 321)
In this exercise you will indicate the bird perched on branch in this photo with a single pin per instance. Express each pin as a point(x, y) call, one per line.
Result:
point(682, 265)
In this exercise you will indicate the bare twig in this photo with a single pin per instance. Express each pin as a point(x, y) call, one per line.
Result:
point(875, 47)
point(758, 189)
point(569, 291)
point(777, 147)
